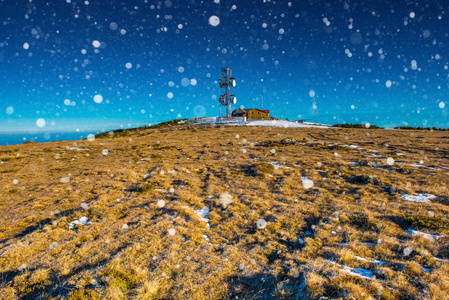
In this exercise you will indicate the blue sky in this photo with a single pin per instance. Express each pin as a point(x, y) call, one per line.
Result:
point(384, 63)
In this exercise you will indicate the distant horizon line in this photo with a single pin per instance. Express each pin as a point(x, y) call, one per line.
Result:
point(52, 130)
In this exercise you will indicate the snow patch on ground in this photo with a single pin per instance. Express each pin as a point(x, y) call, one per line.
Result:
point(419, 198)
point(425, 269)
point(428, 167)
point(417, 165)
point(81, 221)
point(359, 272)
point(431, 237)
point(202, 213)
point(441, 259)
point(373, 261)
point(275, 165)
point(79, 149)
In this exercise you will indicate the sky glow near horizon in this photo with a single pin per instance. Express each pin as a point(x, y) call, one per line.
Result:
point(93, 66)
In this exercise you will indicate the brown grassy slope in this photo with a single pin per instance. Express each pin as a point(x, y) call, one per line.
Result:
point(137, 249)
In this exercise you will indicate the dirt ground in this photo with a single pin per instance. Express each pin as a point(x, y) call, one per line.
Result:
point(213, 212)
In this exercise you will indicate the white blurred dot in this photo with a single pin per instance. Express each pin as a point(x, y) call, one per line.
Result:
point(352, 106)
point(26, 46)
point(161, 203)
point(129, 65)
point(388, 84)
point(214, 20)
point(225, 199)
point(307, 183)
point(113, 26)
point(185, 82)
point(98, 99)
point(84, 205)
point(336, 154)
point(312, 93)
point(412, 15)
point(442, 104)
point(193, 82)
point(10, 110)
point(273, 151)
point(67, 102)
point(181, 69)
point(367, 125)
point(199, 111)
point(261, 223)
point(170, 95)
point(91, 137)
point(105, 152)
point(281, 31)
point(172, 231)
point(15, 181)
point(40, 122)
point(390, 161)
point(408, 251)
point(125, 226)
point(96, 44)
point(237, 136)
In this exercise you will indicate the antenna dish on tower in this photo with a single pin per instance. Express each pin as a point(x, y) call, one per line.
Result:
point(226, 99)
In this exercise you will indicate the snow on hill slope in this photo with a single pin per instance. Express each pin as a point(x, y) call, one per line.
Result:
point(282, 123)
point(268, 123)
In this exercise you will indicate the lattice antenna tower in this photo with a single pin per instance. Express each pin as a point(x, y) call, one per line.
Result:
point(226, 98)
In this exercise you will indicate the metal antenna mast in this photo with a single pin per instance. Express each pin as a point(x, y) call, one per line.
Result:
point(262, 100)
point(226, 99)
point(316, 106)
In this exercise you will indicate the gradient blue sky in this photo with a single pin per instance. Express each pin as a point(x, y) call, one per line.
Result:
point(381, 62)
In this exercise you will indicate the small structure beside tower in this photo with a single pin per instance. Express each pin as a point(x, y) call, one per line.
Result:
point(252, 113)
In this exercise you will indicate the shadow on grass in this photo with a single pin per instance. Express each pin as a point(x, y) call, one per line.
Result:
point(58, 285)
point(40, 225)
point(266, 286)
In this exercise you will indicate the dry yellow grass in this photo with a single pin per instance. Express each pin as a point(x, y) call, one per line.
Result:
point(270, 233)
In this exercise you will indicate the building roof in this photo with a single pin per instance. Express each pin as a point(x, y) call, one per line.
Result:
point(241, 112)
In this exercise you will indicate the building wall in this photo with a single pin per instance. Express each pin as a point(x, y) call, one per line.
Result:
point(255, 114)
